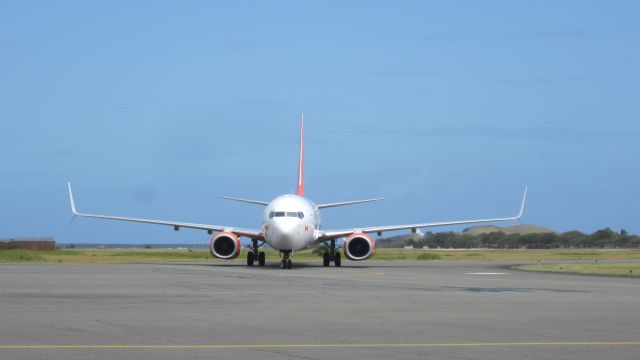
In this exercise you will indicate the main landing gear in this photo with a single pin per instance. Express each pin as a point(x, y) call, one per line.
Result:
point(332, 255)
point(285, 263)
point(255, 255)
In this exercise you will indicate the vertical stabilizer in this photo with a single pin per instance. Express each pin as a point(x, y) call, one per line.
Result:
point(300, 191)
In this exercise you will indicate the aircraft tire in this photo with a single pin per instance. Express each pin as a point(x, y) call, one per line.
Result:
point(336, 260)
point(261, 258)
point(325, 259)
point(250, 258)
point(289, 264)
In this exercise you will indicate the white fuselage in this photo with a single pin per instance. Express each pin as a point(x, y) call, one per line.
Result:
point(290, 222)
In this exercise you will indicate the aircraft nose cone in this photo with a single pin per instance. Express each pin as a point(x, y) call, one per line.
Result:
point(285, 226)
point(284, 231)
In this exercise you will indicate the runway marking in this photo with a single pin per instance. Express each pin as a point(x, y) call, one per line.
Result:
point(487, 273)
point(267, 346)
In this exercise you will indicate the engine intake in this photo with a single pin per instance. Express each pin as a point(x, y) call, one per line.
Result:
point(225, 245)
point(359, 246)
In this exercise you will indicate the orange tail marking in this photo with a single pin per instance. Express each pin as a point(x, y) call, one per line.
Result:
point(300, 191)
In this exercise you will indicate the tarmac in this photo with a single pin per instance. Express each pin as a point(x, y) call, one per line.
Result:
point(363, 310)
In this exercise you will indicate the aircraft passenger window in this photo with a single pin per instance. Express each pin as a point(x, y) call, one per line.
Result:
point(292, 214)
point(300, 214)
point(279, 214)
point(271, 215)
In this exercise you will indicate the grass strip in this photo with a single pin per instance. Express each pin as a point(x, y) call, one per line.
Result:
point(611, 269)
point(197, 255)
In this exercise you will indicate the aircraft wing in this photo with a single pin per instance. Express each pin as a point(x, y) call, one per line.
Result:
point(333, 234)
point(253, 234)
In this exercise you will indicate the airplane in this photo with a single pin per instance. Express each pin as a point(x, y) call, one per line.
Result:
point(291, 223)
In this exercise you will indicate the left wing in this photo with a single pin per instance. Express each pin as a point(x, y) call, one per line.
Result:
point(333, 234)
point(253, 234)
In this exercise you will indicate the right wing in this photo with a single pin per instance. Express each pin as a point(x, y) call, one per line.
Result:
point(253, 234)
point(333, 234)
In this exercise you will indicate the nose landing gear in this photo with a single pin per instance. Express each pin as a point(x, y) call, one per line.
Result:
point(285, 263)
point(332, 255)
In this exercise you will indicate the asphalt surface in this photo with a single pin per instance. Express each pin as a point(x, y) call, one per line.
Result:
point(366, 310)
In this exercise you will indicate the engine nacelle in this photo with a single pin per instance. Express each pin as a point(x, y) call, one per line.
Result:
point(225, 245)
point(359, 246)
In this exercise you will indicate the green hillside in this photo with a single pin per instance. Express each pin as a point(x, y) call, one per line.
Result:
point(521, 229)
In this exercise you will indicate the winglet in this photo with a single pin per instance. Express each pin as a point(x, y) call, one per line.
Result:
point(524, 199)
point(73, 205)
point(300, 191)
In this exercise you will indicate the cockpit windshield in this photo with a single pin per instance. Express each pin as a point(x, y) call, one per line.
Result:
point(298, 214)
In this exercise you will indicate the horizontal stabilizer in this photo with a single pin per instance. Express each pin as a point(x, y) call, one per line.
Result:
point(256, 202)
point(344, 203)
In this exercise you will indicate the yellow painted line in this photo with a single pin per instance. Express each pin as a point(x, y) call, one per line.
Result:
point(266, 346)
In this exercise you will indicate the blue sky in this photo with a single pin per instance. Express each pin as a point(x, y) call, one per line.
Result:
point(448, 108)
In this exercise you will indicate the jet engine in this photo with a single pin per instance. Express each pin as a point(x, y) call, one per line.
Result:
point(359, 246)
point(225, 245)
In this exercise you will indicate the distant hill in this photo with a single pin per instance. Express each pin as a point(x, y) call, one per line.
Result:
point(404, 239)
point(514, 237)
point(397, 241)
point(515, 229)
